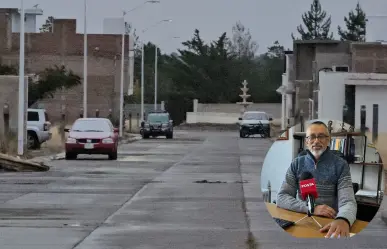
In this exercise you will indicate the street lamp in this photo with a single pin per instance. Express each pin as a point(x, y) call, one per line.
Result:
point(21, 109)
point(85, 60)
point(142, 65)
point(156, 66)
point(121, 115)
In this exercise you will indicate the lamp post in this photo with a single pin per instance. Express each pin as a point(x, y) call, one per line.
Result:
point(21, 109)
point(85, 61)
point(121, 119)
point(156, 69)
point(142, 65)
point(121, 115)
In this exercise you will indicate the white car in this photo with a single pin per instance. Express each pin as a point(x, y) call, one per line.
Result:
point(38, 128)
point(254, 123)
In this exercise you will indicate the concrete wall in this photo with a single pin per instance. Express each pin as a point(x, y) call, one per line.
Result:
point(369, 95)
point(227, 113)
point(9, 90)
point(273, 109)
point(369, 57)
point(326, 54)
point(212, 117)
point(370, 89)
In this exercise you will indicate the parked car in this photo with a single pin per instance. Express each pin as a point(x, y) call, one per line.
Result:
point(92, 136)
point(254, 123)
point(157, 124)
point(38, 128)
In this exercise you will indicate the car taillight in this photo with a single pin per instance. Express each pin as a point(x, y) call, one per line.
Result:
point(46, 126)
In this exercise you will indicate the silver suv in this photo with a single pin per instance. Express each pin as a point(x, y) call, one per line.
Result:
point(38, 128)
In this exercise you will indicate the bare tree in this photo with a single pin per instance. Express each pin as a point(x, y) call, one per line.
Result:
point(241, 44)
point(130, 30)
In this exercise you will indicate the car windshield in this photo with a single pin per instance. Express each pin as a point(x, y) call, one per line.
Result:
point(91, 126)
point(158, 118)
point(255, 116)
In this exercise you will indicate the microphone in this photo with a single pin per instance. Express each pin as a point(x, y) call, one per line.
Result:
point(308, 190)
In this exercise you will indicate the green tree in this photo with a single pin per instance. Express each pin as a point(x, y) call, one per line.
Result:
point(356, 26)
point(49, 81)
point(48, 26)
point(8, 70)
point(317, 24)
point(272, 66)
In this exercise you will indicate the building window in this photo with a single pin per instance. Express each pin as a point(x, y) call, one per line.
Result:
point(340, 69)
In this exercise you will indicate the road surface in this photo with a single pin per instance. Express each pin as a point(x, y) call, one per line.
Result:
point(200, 190)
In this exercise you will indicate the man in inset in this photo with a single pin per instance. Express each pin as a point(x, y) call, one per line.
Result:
point(336, 198)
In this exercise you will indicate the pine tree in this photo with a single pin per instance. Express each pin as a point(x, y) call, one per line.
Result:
point(48, 25)
point(317, 24)
point(356, 26)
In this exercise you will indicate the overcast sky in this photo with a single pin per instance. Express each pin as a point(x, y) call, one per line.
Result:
point(268, 20)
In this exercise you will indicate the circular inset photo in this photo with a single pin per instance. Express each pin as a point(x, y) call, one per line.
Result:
point(323, 178)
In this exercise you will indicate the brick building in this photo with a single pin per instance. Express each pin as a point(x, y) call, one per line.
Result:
point(64, 46)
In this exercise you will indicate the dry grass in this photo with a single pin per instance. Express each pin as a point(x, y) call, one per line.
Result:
point(56, 143)
point(8, 144)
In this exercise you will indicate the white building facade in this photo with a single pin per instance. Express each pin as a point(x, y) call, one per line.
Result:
point(370, 89)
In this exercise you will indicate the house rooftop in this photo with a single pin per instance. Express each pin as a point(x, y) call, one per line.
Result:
point(30, 11)
point(317, 41)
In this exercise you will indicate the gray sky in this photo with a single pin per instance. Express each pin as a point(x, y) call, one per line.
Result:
point(268, 20)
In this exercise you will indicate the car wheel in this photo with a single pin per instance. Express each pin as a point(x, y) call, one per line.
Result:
point(32, 140)
point(243, 133)
point(268, 132)
point(70, 156)
point(113, 156)
point(145, 136)
point(169, 136)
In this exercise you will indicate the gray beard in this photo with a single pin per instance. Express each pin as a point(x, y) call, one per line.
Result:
point(317, 153)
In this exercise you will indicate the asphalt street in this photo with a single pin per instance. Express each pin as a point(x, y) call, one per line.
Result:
point(199, 190)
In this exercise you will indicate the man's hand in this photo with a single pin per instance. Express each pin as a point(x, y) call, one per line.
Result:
point(337, 228)
point(324, 210)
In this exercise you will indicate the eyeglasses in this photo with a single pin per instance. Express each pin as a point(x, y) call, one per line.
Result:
point(314, 137)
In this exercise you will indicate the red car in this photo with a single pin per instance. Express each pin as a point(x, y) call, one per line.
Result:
point(92, 136)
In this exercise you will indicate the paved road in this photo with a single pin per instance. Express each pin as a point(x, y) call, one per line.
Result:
point(154, 196)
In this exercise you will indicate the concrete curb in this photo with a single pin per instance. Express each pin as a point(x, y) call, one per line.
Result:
point(384, 216)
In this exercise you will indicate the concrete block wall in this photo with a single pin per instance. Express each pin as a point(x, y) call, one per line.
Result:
point(369, 58)
point(9, 91)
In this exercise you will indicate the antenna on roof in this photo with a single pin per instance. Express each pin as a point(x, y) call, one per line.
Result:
point(36, 6)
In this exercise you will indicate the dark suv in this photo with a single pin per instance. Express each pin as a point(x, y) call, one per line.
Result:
point(157, 124)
